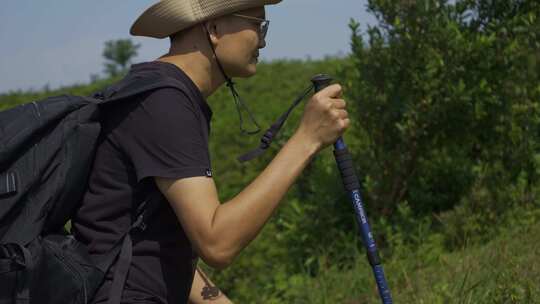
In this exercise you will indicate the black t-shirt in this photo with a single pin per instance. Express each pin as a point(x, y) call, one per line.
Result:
point(161, 133)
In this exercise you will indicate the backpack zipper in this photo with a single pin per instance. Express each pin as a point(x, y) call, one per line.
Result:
point(38, 114)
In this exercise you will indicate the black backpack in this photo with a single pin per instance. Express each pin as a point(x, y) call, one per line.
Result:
point(46, 153)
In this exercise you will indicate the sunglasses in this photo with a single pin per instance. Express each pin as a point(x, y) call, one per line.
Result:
point(263, 23)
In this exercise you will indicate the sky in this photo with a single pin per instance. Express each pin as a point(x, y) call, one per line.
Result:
point(60, 42)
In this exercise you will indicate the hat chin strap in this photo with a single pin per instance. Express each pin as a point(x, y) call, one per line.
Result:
point(269, 135)
point(237, 99)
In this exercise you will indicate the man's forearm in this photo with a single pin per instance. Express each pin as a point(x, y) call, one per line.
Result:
point(203, 291)
point(239, 220)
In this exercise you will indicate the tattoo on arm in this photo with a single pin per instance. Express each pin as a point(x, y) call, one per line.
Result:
point(209, 291)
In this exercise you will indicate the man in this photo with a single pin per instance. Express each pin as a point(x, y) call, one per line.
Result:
point(159, 144)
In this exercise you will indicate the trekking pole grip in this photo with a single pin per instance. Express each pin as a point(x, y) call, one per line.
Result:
point(352, 185)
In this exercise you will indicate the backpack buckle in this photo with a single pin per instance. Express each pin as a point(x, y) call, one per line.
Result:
point(140, 223)
point(8, 183)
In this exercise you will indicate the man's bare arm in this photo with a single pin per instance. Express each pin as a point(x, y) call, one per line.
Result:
point(203, 291)
point(219, 232)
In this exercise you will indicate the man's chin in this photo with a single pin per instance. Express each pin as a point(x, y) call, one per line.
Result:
point(250, 70)
point(245, 71)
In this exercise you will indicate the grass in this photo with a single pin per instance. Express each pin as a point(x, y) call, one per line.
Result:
point(505, 270)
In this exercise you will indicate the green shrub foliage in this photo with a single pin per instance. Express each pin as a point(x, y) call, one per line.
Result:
point(447, 95)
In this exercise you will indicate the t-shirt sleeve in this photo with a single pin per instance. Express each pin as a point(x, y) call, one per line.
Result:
point(164, 136)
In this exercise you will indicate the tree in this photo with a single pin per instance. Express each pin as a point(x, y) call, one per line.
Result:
point(449, 98)
point(118, 55)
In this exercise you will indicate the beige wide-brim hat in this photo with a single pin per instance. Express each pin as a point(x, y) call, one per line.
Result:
point(171, 16)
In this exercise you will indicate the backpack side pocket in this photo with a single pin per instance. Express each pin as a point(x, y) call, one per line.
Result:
point(65, 273)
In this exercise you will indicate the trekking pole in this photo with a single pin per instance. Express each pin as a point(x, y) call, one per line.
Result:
point(352, 185)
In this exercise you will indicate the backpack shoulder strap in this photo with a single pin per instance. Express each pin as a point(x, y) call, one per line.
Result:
point(144, 211)
point(122, 251)
point(132, 87)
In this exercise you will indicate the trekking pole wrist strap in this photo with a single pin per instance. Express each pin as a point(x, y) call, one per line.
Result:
point(271, 133)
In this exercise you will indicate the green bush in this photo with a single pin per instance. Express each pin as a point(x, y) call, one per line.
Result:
point(446, 91)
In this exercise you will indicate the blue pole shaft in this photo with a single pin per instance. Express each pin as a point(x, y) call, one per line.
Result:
point(352, 186)
point(367, 235)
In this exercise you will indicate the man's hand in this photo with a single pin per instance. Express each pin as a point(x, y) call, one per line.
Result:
point(325, 117)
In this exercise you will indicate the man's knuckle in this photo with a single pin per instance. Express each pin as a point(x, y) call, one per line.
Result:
point(327, 106)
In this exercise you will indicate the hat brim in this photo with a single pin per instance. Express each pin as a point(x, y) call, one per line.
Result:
point(167, 17)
